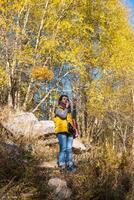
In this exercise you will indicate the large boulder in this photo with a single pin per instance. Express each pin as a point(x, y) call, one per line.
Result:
point(25, 123)
point(20, 123)
point(44, 127)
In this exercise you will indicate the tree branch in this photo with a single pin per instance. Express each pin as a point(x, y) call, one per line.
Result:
point(52, 89)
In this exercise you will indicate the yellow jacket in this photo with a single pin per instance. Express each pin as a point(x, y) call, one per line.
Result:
point(61, 125)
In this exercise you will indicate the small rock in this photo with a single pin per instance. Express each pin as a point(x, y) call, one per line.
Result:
point(10, 148)
point(77, 145)
point(56, 182)
point(61, 190)
point(63, 193)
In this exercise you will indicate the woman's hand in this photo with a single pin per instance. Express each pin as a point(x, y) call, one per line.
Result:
point(67, 104)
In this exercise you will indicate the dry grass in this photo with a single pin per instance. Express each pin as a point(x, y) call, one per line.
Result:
point(20, 175)
point(102, 174)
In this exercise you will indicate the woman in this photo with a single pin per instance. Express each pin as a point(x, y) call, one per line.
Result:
point(63, 116)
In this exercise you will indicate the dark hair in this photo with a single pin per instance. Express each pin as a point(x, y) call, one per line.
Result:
point(60, 98)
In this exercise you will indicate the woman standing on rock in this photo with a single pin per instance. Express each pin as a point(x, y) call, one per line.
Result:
point(63, 118)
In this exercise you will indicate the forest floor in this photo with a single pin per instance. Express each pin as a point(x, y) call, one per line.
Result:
point(102, 174)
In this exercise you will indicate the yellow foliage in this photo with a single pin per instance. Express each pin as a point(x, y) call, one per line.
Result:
point(112, 157)
point(42, 73)
point(3, 77)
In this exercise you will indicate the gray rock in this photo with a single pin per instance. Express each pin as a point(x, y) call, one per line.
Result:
point(44, 127)
point(63, 193)
point(10, 148)
point(26, 124)
point(57, 182)
point(78, 146)
point(60, 188)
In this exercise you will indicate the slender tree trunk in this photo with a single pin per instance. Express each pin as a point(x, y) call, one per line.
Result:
point(36, 47)
point(124, 138)
point(114, 135)
point(26, 20)
point(133, 125)
point(9, 77)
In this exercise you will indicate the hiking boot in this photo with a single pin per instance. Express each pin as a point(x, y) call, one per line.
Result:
point(71, 168)
point(62, 168)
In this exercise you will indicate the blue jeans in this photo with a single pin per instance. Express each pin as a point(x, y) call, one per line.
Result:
point(65, 152)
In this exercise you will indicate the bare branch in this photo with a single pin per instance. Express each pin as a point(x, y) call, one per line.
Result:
point(26, 20)
point(40, 29)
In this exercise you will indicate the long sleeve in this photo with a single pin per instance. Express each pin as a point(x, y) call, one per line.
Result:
point(61, 113)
